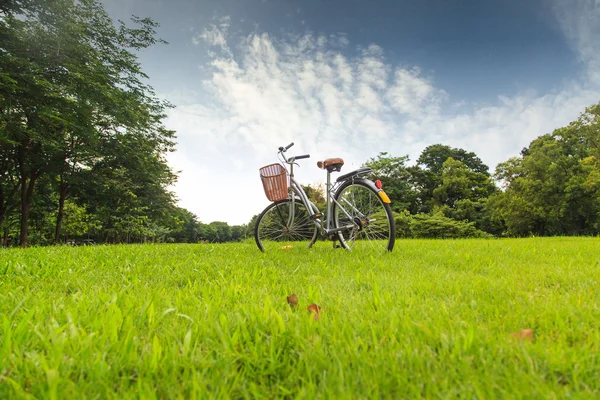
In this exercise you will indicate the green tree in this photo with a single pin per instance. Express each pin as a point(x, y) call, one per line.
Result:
point(461, 183)
point(427, 175)
point(69, 78)
point(9, 186)
point(78, 224)
point(128, 189)
point(250, 226)
point(462, 195)
point(552, 188)
point(434, 157)
point(238, 232)
point(222, 232)
point(316, 194)
point(186, 228)
point(208, 232)
point(396, 179)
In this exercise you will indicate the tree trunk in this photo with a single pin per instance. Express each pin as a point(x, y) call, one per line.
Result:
point(61, 209)
point(24, 213)
point(2, 211)
point(26, 197)
point(5, 238)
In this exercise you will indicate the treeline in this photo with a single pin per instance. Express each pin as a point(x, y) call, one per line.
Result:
point(551, 188)
point(82, 139)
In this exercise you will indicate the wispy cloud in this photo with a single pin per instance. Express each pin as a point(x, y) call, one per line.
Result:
point(580, 21)
point(214, 35)
point(265, 91)
point(301, 89)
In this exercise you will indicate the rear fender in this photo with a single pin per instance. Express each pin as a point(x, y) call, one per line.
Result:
point(382, 195)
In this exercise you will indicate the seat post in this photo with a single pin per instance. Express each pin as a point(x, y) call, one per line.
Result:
point(328, 199)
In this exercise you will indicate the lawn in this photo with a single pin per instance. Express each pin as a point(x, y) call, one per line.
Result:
point(433, 319)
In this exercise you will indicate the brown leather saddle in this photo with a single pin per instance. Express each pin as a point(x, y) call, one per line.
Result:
point(331, 164)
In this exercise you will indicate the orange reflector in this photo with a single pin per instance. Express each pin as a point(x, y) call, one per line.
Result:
point(384, 197)
point(378, 184)
point(286, 247)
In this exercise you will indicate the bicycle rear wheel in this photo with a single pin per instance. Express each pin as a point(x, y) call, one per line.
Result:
point(369, 220)
point(285, 224)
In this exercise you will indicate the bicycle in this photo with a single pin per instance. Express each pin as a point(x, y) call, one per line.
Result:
point(358, 212)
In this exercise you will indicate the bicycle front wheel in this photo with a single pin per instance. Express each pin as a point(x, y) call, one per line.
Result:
point(283, 225)
point(369, 221)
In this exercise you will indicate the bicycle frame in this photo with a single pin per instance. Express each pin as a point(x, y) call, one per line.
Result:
point(324, 225)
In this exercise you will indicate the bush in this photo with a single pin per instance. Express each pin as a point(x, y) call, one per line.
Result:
point(439, 226)
point(403, 222)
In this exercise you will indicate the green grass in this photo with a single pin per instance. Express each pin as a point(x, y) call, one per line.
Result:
point(433, 319)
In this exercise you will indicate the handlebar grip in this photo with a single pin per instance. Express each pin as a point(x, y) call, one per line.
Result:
point(301, 157)
point(289, 145)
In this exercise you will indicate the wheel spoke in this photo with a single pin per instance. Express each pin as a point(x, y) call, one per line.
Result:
point(275, 227)
point(364, 206)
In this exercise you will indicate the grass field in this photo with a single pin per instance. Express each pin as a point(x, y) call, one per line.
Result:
point(434, 319)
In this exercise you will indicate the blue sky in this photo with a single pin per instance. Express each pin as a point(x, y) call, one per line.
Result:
point(472, 48)
point(354, 78)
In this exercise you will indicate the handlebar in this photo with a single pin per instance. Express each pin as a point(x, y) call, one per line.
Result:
point(292, 159)
point(286, 148)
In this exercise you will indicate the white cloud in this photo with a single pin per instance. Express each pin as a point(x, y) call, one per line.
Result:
point(413, 95)
point(307, 89)
point(214, 35)
point(580, 21)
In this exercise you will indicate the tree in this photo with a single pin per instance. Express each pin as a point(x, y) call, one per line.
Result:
point(396, 179)
point(552, 188)
point(128, 189)
point(15, 7)
point(461, 183)
point(249, 232)
point(69, 80)
point(238, 232)
point(186, 228)
point(78, 223)
point(434, 157)
point(316, 194)
point(8, 190)
point(222, 232)
point(427, 174)
point(208, 232)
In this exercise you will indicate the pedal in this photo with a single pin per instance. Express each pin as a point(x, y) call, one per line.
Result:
point(316, 216)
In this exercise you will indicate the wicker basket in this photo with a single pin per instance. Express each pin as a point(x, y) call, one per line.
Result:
point(275, 181)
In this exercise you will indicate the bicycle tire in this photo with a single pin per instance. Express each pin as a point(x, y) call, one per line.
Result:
point(273, 230)
point(361, 201)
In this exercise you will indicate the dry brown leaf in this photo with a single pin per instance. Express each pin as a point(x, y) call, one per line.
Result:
point(524, 334)
point(314, 309)
point(292, 300)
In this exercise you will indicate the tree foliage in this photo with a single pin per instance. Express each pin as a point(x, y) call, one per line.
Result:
point(552, 189)
point(396, 179)
point(82, 139)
